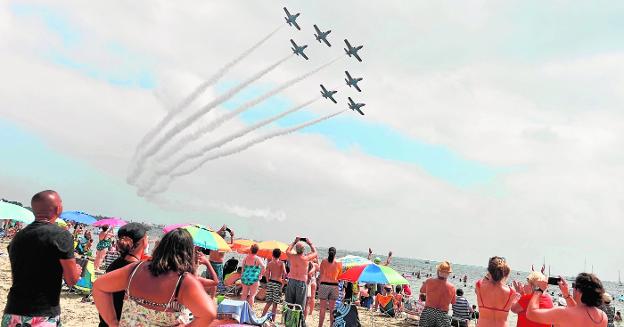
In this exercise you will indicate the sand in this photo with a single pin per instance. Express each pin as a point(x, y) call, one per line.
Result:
point(75, 313)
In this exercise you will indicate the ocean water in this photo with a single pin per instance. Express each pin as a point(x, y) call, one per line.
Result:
point(410, 266)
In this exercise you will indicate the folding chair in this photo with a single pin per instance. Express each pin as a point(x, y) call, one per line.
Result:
point(292, 315)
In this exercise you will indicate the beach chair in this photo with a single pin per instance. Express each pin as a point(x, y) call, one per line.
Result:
point(292, 315)
point(85, 283)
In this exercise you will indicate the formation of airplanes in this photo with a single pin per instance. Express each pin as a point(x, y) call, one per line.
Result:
point(321, 37)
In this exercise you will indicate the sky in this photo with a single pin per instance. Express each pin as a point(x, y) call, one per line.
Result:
point(491, 127)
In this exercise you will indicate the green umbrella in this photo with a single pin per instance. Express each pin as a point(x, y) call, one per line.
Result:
point(15, 212)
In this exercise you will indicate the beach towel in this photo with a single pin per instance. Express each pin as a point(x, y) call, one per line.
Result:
point(346, 315)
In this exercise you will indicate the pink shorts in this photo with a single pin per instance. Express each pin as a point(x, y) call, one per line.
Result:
point(9, 320)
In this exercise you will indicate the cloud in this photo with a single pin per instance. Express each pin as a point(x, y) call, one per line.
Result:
point(466, 79)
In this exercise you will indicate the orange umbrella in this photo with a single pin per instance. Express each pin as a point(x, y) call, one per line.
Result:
point(265, 249)
point(242, 245)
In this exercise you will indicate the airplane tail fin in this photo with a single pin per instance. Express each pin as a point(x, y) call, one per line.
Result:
point(347, 52)
point(346, 80)
point(287, 21)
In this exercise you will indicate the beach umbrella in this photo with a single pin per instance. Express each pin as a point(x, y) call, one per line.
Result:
point(352, 261)
point(61, 222)
point(79, 217)
point(15, 212)
point(112, 222)
point(207, 239)
point(265, 249)
point(171, 227)
point(242, 245)
point(373, 273)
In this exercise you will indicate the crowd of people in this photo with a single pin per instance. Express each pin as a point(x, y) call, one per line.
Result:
point(125, 294)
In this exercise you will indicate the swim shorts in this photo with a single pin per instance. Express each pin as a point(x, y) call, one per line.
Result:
point(273, 292)
point(432, 317)
point(328, 292)
point(10, 320)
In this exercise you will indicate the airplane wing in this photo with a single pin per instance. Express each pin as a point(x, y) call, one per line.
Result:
point(348, 76)
point(322, 87)
point(360, 111)
point(293, 43)
point(348, 45)
point(326, 42)
point(304, 55)
point(286, 10)
point(296, 25)
point(357, 87)
point(357, 57)
point(317, 29)
point(332, 98)
point(351, 101)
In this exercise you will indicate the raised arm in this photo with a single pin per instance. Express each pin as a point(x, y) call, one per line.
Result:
point(370, 253)
point(554, 316)
point(313, 254)
point(388, 259)
point(289, 250)
point(565, 291)
point(214, 279)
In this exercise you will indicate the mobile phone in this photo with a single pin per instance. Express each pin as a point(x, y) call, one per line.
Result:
point(204, 251)
point(303, 239)
point(554, 280)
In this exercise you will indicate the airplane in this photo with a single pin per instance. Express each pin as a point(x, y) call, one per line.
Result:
point(298, 50)
point(353, 81)
point(356, 106)
point(322, 36)
point(328, 94)
point(291, 19)
point(352, 51)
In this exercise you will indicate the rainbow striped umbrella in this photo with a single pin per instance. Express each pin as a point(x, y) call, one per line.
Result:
point(207, 239)
point(352, 261)
point(373, 273)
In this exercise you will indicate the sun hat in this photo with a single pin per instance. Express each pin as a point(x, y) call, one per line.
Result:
point(445, 267)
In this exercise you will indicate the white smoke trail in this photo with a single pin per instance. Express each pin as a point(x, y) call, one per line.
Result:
point(216, 144)
point(186, 139)
point(199, 90)
point(181, 125)
point(165, 185)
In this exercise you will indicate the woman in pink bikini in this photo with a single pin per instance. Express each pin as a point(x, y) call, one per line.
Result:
point(494, 297)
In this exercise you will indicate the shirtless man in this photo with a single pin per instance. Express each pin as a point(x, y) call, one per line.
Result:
point(440, 293)
point(275, 274)
point(216, 259)
point(581, 310)
point(296, 290)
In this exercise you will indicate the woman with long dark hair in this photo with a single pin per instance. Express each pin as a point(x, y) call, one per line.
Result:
point(328, 288)
point(582, 309)
point(172, 270)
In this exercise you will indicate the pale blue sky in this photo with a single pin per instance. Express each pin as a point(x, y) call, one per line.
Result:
point(480, 114)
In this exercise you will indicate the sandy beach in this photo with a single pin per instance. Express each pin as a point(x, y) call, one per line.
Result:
point(75, 313)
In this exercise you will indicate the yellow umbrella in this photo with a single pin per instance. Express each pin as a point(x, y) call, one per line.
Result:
point(242, 245)
point(265, 249)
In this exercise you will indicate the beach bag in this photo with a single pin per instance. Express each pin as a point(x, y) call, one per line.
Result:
point(346, 315)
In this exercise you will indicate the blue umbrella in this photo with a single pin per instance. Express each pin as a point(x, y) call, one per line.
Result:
point(79, 217)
